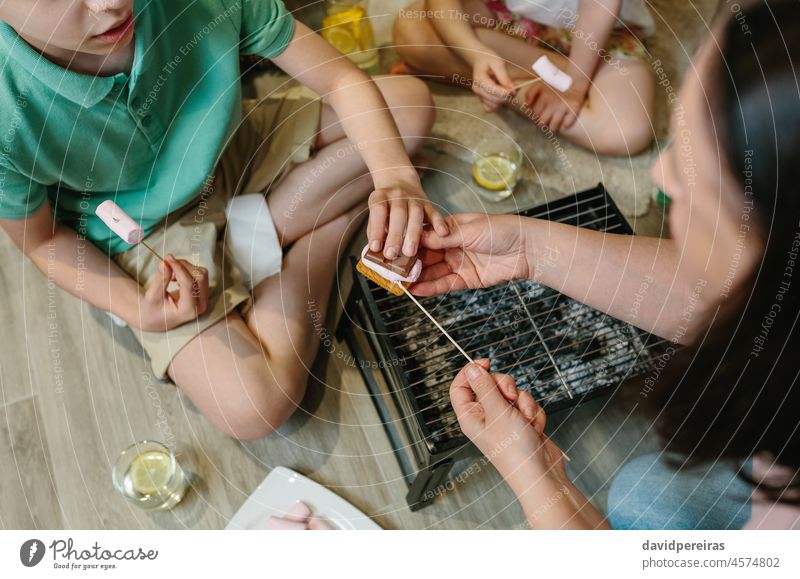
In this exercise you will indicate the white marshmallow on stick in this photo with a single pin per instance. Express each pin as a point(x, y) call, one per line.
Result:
point(551, 74)
point(122, 224)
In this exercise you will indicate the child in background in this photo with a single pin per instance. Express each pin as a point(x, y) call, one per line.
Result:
point(490, 45)
point(140, 102)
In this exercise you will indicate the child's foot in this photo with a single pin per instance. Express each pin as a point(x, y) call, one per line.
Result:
point(401, 68)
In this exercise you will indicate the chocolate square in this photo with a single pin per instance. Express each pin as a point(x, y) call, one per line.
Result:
point(401, 266)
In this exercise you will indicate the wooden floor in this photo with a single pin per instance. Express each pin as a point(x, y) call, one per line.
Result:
point(75, 391)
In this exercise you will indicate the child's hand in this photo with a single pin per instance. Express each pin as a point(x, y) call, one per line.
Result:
point(554, 109)
point(161, 310)
point(406, 208)
point(490, 81)
point(508, 429)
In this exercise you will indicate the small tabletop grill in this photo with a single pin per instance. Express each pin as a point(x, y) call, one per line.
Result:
point(557, 348)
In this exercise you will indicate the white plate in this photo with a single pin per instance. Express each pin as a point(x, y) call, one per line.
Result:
point(282, 488)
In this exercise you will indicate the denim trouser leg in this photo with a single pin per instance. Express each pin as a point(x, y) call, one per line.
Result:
point(648, 494)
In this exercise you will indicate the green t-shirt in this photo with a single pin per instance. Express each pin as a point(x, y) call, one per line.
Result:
point(148, 140)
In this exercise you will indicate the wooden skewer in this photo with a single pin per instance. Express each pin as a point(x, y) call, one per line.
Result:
point(452, 341)
point(441, 329)
point(152, 250)
point(527, 82)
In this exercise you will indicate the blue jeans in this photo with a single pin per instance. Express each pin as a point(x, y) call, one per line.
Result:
point(647, 494)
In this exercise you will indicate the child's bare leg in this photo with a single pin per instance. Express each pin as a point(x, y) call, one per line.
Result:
point(619, 118)
point(248, 386)
point(336, 178)
point(419, 45)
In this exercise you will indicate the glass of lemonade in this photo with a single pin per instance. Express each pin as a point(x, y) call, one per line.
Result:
point(347, 27)
point(496, 167)
point(147, 474)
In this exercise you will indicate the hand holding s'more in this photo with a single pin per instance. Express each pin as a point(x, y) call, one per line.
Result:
point(395, 277)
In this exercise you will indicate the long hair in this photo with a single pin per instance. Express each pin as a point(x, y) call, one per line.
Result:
point(735, 392)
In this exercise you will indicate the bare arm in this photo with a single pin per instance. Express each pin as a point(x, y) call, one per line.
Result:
point(637, 279)
point(368, 123)
point(77, 266)
point(595, 22)
point(490, 78)
point(454, 28)
point(634, 278)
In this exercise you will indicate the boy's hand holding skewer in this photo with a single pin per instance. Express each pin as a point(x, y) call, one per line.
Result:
point(161, 309)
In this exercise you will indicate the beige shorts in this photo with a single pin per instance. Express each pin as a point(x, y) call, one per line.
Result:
point(276, 134)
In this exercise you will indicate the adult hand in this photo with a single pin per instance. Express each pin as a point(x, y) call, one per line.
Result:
point(161, 310)
point(510, 436)
point(480, 251)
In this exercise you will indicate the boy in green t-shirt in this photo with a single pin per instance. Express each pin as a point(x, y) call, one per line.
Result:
point(140, 102)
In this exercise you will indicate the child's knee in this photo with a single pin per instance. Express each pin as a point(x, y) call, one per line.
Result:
point(629, 139)
point(259, 414)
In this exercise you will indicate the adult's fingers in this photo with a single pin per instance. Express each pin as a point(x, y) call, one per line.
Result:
point(435, 271)
point(463, 400)
point(431, 257)
point(532, 411)
point(376, 227)
point(507, 386)
point(437, 287)
point(485, 389)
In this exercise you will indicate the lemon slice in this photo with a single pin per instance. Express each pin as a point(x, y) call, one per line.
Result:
point(150, 472)
point(341, 39)
point(494, 172)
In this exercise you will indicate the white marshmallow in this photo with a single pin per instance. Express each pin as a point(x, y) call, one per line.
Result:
point(551, 74)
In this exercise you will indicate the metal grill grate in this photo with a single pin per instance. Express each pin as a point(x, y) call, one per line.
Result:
point(560, 350)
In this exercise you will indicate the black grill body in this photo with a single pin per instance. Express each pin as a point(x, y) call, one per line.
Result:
point(560, 350)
